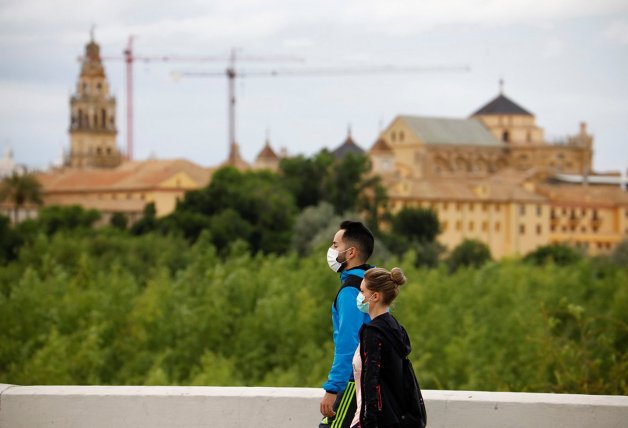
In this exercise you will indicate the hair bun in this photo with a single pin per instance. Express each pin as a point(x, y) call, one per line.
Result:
point(397, 276)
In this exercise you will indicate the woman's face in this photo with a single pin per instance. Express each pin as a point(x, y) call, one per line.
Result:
point(368, 294)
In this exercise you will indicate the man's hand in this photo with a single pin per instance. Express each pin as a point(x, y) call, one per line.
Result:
point(327, 404)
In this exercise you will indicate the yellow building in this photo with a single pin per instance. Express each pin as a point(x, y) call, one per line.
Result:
point(493, 177)
point(127, 188)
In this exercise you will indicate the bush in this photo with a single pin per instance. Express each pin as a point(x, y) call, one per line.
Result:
point(416, 224)
point(469, 252)
point(619, 256)
point(559, 254)
point(119, 221)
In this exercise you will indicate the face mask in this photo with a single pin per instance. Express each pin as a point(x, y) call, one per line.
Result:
point(361, 304)
point(332, 259)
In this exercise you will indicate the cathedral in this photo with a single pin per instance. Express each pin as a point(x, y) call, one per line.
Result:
point(491, 176)
point(93, 128)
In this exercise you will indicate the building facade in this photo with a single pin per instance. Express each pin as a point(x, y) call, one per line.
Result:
point(492, 177)
point(93, 128)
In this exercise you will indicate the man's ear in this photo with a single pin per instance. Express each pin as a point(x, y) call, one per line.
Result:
point(354, 252)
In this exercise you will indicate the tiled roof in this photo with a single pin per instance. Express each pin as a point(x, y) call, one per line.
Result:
point(136, 175)
point(349, 146)
point(464, 189)
point(581, 195)
point(381, 146)
point(267, 153)
point(464, 132)
point(502, 105)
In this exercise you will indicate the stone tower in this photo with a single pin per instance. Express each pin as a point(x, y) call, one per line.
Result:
point(93, 116)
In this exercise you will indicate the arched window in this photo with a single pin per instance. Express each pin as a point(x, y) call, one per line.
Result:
point(505, 136)
point(103, 119)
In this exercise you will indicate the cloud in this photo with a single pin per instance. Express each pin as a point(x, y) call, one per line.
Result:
point(618, 31)
point(29, 97)
point(553, 48)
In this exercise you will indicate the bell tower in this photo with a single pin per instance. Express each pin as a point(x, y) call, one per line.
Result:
point(93, 116)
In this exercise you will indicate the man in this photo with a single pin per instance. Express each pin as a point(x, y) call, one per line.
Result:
point(351, 248)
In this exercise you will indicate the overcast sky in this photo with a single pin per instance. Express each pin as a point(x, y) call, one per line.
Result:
point(566, 61)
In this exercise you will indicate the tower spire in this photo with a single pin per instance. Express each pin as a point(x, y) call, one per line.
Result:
point(501, 86)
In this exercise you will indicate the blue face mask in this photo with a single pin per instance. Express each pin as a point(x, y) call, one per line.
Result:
point(361, 304)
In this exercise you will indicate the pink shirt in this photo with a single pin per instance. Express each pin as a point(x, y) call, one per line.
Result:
point(357, 373)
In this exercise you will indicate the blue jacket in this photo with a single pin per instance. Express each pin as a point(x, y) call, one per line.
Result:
point(347, 320)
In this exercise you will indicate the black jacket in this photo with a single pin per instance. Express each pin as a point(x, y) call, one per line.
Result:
point(383, 345)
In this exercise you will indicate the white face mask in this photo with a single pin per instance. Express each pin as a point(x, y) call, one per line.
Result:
point(332, 259)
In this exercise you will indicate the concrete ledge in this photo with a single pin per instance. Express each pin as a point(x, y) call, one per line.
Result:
point(191, 407)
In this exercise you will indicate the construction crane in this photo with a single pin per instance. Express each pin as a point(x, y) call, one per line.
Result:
point(231, 73)
point(129, 57)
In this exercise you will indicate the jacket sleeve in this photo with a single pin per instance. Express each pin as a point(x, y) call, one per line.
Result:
point(350, 319)
point(371, 350)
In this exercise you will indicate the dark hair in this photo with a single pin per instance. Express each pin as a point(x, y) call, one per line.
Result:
point(387, 283)
point(359, 236)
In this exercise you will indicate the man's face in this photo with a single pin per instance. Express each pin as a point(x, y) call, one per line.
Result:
point(344, 252)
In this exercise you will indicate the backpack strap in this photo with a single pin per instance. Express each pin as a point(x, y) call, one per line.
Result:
point(351, 281)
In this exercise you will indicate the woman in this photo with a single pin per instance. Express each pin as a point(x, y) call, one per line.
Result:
point(378, 361)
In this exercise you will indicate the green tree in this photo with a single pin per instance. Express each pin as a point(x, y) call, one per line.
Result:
point(119, 221)
point(257, 197)
point(469, 252)
point(347, 177)
point(307, 178)
point(559, 254)
point(418, 224)
point(20, 189)
point(148, 222)
point(55, 218)
point(9, 240)
point(309, 223)
point(619, 256)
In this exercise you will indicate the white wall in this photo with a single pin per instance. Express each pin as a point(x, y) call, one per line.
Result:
point(187, 407)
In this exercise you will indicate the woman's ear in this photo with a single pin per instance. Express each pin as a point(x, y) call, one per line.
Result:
point(376, 296)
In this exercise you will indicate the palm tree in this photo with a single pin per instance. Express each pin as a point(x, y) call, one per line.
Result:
point(20, 189)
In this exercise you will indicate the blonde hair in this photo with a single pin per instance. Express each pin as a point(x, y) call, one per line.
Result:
point(382, 281)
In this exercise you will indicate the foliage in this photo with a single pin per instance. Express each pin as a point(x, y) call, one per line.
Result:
point(9, 240)
point(307, 178)
point(619, 255)
point(106, 307)
point(54, 218)
point(345, 183)
point(416, 224)
point(148, 222)
point(559, 254)
point(20, 189)
point(119, 221)
point(252, 205)
point(415, 229)
point(309, 224)
point(469, 252)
